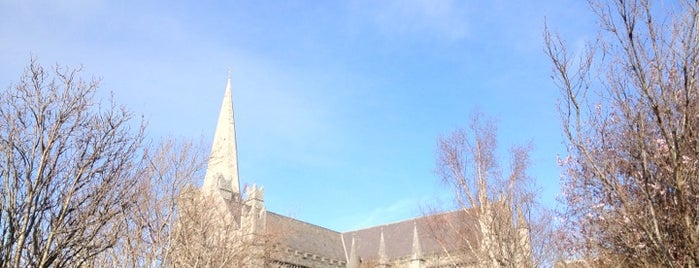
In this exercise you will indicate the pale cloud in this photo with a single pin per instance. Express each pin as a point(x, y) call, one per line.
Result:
point(400, 210)
point(435, 18)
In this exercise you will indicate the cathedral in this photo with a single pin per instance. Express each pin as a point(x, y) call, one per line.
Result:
point(438, 240)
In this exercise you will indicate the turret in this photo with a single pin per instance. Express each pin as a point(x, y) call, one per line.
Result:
point(416, 261)
point(254, 223)
point(523, 252)
point(354, 260)
point(254, 211)
point(383, 257)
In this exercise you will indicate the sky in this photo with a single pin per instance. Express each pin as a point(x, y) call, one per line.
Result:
point(338, 104)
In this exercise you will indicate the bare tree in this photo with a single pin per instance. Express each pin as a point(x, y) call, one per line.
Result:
point(67, 168)
point(631, 117)
point(169, 168)
point(207, 234)
point(502, 204)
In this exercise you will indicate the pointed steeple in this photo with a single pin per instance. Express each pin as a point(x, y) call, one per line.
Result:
point(417, 250)
point(521, 220)
point(383, 257)
point(523, 253)
point(222, 170)
point(417, 261)
point(354, 260)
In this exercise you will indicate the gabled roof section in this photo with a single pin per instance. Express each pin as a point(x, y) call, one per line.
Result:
point(222, 170)
point(306, 237)
point(451, 231)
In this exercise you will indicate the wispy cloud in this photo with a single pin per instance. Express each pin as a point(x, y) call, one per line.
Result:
point(441, 18)
point(400, 210)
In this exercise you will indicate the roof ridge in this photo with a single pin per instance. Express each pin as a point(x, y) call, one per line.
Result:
point(405, 220)
point(304, 222)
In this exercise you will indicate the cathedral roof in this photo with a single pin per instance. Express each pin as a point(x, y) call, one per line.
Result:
point(437, 233)
point(306, 237)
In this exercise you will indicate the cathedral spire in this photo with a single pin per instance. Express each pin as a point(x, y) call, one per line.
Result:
point(417, 250)
point(222, 169)
point(417, 261)
point(354, 259)
point(383, 257)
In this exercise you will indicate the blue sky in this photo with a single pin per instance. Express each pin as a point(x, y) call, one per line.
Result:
point(338, 103)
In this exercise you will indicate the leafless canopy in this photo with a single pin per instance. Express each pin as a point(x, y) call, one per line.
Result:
point(205, 234)
point(503, 203)
point(66, 169)
point(631, 117)
point(149, 228)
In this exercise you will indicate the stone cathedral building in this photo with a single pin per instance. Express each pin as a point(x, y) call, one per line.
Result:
point(438, 240)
